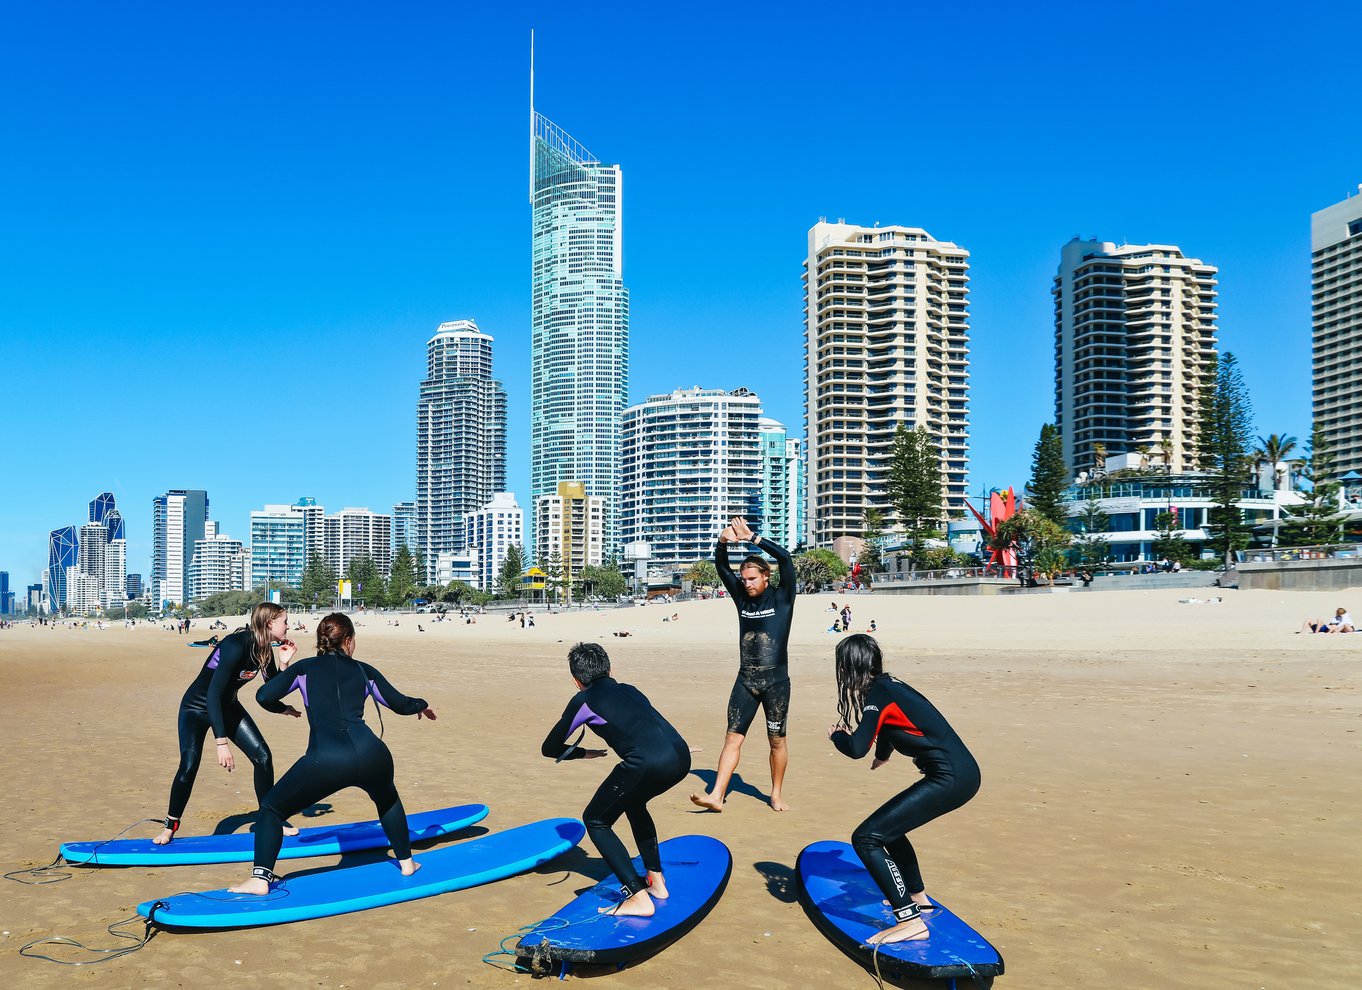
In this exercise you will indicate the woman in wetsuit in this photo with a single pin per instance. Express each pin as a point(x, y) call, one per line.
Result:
point(211, 703)
point(881, 711)
point(341, 750)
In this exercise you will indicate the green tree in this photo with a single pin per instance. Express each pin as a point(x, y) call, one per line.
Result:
point(601, 580)
point(229, 603)
point(703, 574)
point(1223, 451)
point(870, 558)
point(1037, 541)
point(556, 576)
point(1049, 477)
point(512, 568)
point(137, 611)
point(1318, 521)
point(817, 567)
point(402, 578)
point(1171, 543)
point(318, 586)
point(1090, 548)
point(915, 483)
point(366, 580)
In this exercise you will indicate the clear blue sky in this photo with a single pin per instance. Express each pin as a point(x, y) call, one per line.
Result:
point(230, 228)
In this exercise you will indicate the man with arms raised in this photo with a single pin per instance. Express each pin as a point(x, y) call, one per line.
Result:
point(764, 614)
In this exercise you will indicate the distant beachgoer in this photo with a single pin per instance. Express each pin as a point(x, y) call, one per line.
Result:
point(1341, 622)
point(873, 626)
point(210, 702)
point(878, 711)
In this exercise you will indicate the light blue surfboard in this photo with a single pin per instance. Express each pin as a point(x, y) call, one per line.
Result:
point(358, 888)
point(238, 847)
point(844, 903)
point(696, 868)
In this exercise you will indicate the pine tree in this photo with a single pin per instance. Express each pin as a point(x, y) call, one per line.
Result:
point(1049, 477)
point(512, 567)
point(915, 483)
point(1224, 452)
point(318, 586)
point(402, 579)
point(1317, 521)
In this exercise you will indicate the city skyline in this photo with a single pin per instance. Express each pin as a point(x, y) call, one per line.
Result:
point(210, 227)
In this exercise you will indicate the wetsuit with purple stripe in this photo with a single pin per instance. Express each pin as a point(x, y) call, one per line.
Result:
point(653, 758)
point(211, 702)
point(342, 751)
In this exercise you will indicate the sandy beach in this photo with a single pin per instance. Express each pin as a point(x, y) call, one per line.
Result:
point(1170, 792)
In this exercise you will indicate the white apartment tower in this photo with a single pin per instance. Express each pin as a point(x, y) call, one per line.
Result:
point(353, 533)
point(1336, 288)
point(690, 461)
point(179, 519)
point(219, 564)
point(1134, 340)
point(886, 343)
point(491, 531)
point(460, 438)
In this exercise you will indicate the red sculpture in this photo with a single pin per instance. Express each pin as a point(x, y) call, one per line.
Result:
point(1001, 505)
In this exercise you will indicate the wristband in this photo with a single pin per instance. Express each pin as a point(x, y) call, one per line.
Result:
point(222, 742)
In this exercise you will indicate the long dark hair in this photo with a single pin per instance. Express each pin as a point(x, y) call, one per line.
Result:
point(333, 631)
point(859, 661)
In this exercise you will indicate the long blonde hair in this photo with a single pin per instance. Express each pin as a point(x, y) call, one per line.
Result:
point(261, 617)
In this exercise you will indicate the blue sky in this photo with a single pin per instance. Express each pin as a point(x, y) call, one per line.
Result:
point(229, 229)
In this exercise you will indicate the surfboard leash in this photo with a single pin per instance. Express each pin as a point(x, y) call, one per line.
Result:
point(103, 955)
point(541, 964)
point(54, 872)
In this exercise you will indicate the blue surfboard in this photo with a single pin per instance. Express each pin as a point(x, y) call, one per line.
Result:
point(696, 867)
point(358, 888)
point(238, 847)
point(844, 904)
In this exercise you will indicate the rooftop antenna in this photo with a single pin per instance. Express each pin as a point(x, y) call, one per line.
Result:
point(531, 116)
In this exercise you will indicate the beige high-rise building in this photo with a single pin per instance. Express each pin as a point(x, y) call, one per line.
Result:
point(1134, 337)
point(1336, 293)
point(572, 525)
point(886, 342)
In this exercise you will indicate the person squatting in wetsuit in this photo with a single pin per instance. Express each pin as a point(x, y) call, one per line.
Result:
point(892, 717)
point(342, 751)
point(764, 615)
point(211, 702)
point(653, 759)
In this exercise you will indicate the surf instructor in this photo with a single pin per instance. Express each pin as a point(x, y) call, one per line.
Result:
point(764, 614)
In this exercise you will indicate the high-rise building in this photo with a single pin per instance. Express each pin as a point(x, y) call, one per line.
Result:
point(781, 485)
point(113, 585)
point(134, 586)
point(1134, 338)
point(179, 518)
point(460, 438)
point(572, 528)
point(690, 461)
point(1336, 290)
point(314, 528)
point(62, 555)
point(886, 344)
point(796, 455)
point(34, 595)
point(353, 533)
point(404, 526)
point(6, 596)
point(492, 531)
point(92, 560)
point(579, 324)
point(219, 564)
point(278, 546)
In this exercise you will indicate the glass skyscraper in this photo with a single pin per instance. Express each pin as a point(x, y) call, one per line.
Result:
point(460, 438)
point(579, 348)
point(62, 552)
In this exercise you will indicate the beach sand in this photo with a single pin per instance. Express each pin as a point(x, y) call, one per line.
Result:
point(1170, 792)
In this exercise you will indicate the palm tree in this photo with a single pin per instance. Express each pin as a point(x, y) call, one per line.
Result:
point(1166, 454)
point(1272, 450)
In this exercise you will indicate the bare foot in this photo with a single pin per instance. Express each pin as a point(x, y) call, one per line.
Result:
point(657, 887)
point(290, 829)
point(252, 886)
point(905, 931)
point(408, 866)
point(777, 804)
point(707, 802)
point(164, 838)
point(640, 905)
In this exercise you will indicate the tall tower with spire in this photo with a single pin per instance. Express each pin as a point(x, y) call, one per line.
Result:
point(579, 347)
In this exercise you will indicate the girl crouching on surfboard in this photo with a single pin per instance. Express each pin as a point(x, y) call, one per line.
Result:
point(210, 702)
point(341, 750)
point(880, 710)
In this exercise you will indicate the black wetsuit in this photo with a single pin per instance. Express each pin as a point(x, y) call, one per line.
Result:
point(905, 721)
point(342, 751)
point(211, 703)
point(763, 638)
point(653, 758)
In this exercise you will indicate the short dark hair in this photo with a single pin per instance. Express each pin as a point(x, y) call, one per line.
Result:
point(755, 560)
point(588, 661)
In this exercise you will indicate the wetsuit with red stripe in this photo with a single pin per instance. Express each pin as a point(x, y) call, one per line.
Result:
point(897, 718)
